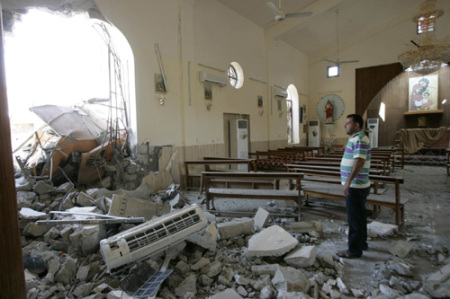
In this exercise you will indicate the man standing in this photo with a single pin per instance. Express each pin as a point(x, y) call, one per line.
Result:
point(355, 165)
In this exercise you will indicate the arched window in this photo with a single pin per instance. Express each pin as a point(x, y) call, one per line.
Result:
point(235, 75)
point(292, 115)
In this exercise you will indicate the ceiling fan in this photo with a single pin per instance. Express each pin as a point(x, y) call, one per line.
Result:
point(280, 15)
point(337, 62)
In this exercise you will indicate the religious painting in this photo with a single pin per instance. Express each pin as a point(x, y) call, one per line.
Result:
point(423, 93)
point(208, 92)
point(160, 85)
point(260, 101)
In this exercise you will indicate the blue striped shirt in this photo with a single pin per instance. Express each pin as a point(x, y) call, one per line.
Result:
point(358, 146)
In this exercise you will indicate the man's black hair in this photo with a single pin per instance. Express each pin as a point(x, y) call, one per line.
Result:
point(357, 119)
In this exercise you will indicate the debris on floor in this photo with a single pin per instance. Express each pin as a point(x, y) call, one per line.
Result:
point(182, 251)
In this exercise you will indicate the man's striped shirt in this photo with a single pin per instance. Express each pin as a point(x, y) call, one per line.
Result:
point(358, 146)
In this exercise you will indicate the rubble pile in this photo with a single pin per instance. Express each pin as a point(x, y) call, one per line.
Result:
point(256, 257)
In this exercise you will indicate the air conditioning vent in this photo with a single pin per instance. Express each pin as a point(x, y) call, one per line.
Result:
point(281, 93)
point(151, 237)
point(213, 79)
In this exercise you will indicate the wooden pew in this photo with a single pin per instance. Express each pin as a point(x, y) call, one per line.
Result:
point(206, 165)
point(380, 163)
point(330, 190)
point(275, 159)
point(209, 178)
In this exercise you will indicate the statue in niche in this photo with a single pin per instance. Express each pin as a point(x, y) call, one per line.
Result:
point(329, 112)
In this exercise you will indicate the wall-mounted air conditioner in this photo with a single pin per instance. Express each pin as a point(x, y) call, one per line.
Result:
point(280, 93)
point(213, 79)
point(372, 125)
point(313, 133)
point(151, 237)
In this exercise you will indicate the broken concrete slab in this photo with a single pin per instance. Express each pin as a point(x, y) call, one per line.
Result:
point(67, 271)
point(227, 294)
point(200, 264)
point(30, 214)
point(401, 267)
point(43, 187)
point(212, 269)
point(268, 269)
point(381, 229)
point(401, 248)
point(389, 292)
point(24, 183)
point(289, 279)
point(126, 206)
point(272, 241)
point(90, 237)
point(25, 199)
point(437, 284)
point(187, 286)
point(33, 229)
point(314, 228)
point(231, 229)
point(261, 218)
point(85, 200)
point(206, 239)
point(302, 257)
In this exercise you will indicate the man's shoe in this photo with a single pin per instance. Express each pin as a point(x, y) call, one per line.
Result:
point(348, 255)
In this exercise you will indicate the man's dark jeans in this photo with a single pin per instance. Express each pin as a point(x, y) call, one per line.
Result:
point(357, 219)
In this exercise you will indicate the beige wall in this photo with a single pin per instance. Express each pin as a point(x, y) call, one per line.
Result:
point(381, 45)
point(204, 35)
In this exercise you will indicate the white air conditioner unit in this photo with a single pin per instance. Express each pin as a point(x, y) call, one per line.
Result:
point(151, 237)
point(313, 133)
point(239, 140)
point(372, 125)
point(281, 93)
point(213, 79)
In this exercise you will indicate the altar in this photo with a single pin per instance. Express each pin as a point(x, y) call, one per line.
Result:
point(424, 146)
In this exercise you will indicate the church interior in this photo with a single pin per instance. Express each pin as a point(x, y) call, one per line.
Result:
point(166, 86)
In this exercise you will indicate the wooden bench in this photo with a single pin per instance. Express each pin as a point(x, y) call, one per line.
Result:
point(328, 190)
point(379, 163)
point(209, 180)
point(324, 174)
point(206, 165)
point(275, 159)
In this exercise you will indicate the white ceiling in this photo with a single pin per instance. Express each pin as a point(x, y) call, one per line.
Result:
point(312, 34)
point(318, 32)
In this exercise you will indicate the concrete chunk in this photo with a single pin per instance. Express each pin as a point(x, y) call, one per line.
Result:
point(290, 280)
point(27, 213)
point(302, 257)
point(125, 206)
point(43, 187)
point(25, 199)
point(381, 229)
point(235, 228)
point(188, 285)
point(437, 284)
point(272, 241)
point(206, 239)
point(261, 218)
point(401, 248)
point(269, 269)
point(227, 294)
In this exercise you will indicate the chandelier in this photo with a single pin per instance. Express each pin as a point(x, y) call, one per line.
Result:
point(427, 54)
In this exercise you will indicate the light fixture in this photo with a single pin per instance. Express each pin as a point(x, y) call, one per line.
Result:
point(428, 53)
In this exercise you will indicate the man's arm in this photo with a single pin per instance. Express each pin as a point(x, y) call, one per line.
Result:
point(359, 163)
